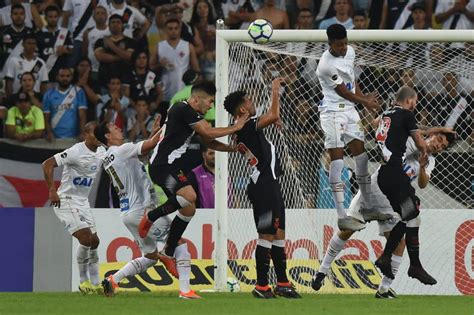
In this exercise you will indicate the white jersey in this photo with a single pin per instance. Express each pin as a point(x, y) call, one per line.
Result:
point(19, 65)
point(93, 36)
point(132, 17)
point(179, 57)
point(129, 177)
point(333, 71)
point(80, 168)
point(81, 16)
point(457, 21)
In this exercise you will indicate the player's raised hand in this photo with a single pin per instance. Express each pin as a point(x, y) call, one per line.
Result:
point(276, 84)
point(53, 196)
point(372, 102)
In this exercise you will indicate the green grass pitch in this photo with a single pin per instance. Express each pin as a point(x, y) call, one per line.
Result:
point(230, 303)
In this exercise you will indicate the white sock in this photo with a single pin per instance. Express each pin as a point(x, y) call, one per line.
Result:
point(94, 266)
point(133, 267)
point(183, 264)
point(386, 281)
point(335, 246)
point(82, 257)
point(335, 173)
point(363, 178)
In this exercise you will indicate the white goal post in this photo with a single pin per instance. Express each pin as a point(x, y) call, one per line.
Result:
point(224, 39)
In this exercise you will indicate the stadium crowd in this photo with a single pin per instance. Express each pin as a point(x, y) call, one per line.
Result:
point(67, 62)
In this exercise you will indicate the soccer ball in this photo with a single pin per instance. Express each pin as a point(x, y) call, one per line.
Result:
point(260, 31)
point(233, 285)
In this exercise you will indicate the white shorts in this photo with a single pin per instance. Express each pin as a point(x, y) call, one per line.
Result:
point(132, 219)
point(75, 215)
point(341, 127)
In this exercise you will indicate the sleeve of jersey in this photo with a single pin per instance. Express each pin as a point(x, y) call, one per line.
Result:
point(46, 103)
point(81, 99)
point(130, 150)
point(66, 157)
point(410, 121)
point(330, 76)
point(189, 116)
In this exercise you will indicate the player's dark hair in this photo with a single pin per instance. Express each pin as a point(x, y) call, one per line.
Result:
point(29, 36)
point(205, 86)
point(115, 17)
point(233, 101)
point(172, 20)
point(51, 8)
point(336, 31)
point(17, 6)
point(450, 137)
point(100, 131)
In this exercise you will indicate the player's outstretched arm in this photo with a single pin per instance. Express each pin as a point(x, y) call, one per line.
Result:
point(419, 142)
point(273, 113)
point(426, 131)
point(48, 170)
point(370, 100)
point(204, 129)
point(154, 138)
point(423, 177)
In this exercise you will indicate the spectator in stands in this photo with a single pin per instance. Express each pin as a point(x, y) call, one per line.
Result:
point(140, 121)
point(27, 82)
point(54, 43)
point(92, 35)
point(342, 8)
point(26, 62)
point(142, 82)
point(84, 79)
point(113, 106)
point(135, 24)
point(12, 34)
point(65, 108)
point(202, 179)
point(323, 9)
point(238, 14)
point(174, 56)
point(304, 19)
point(455, 15)
point(277, 17)
point(31, 14)
point(113, 52)
point(24, 121)
point(359, 20)
point(203, 22)
point(431, 76)
point(451, 109)
point(293, 9)
point(418, 15)
point(190, 77)
point(157, 31)
point(188, 33)
point(80, 12)
point(407, 77)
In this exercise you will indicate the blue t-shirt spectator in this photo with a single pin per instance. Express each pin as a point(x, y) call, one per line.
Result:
point(64, 108)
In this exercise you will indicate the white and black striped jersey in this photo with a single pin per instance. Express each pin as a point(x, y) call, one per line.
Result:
point(10, 38)
point(46, 47)
point(132, 17)
point(81, 15)
point(178, 131)
point(19, 65)
point(6, 15)
point(259, 152)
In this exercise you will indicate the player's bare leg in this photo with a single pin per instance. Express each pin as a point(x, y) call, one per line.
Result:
point(284, 287)
point(336, 245)
point(84, 236)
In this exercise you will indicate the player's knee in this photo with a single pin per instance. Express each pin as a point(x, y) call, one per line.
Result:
point(84, 237)
point(409, 208)
point(345, 234)
point(95, 241)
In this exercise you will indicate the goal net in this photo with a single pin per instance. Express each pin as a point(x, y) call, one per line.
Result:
point(443, 75)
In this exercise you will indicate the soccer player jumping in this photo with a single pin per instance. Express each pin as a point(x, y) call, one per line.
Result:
point(264, 190)
point(341, 122)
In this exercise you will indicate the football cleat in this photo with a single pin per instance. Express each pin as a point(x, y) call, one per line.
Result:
point(385, 295)
point(419, 273)
point(350, 223)
point(191, 295)
point(318, 281)
point(392, 293)
point(169, 263)
point(86, 287)
point(145, 225)
point(287, 291)
point(372, 214)
point(263, 292)
point(109, 285)
point(384, 263)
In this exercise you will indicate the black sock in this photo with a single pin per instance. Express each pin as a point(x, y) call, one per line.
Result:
point(178, 226)
point(394, 238)
point(279, 262)
point(171, 205)
point(262, 258)
point(413, 246)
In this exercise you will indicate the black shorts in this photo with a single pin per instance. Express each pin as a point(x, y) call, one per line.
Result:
point(396, 186)
point(268, 206)
point(169, 177)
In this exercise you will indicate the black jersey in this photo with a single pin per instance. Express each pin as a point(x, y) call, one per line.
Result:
point(392, 134)
point(46, 42)
point(10, 38)
point(179, 129)
point(260, 152)
point(143, 85)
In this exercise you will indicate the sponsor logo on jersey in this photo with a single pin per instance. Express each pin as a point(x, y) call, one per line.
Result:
point(109, 159)
point(124, 204)
point(82, 181)
point(63, 155)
